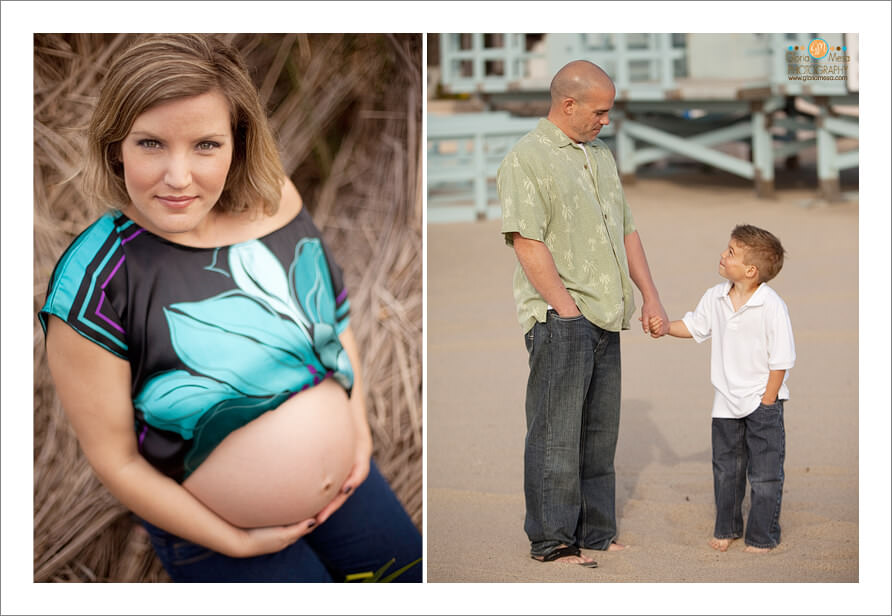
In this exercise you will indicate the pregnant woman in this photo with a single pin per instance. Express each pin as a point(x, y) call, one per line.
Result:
point(198, 336)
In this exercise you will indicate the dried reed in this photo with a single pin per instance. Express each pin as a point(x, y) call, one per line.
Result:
point(347, 112)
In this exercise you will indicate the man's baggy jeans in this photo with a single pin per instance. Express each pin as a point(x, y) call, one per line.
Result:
point(572, 412)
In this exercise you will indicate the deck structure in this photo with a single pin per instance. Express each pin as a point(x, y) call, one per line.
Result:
point(736, 102)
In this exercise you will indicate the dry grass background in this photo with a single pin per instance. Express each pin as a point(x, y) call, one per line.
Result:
point(347, 112)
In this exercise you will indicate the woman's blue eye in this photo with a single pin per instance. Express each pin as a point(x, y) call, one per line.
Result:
point(153, 144)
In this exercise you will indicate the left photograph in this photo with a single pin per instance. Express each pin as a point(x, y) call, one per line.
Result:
point(228, 308)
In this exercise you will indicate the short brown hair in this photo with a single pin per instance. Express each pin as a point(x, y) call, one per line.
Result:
point(160, 68)
point(763, 250)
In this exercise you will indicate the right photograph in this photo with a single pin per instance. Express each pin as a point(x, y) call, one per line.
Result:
point(635, 243)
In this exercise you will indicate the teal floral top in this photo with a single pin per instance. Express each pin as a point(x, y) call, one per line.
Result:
point(214, 336)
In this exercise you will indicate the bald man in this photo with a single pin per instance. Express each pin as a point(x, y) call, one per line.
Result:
point(578, 253)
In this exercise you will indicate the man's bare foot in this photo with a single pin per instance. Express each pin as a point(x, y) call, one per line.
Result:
point(573, 560)
point(567, 554)
point(616, 547)
point(754, 550)
point(720, 544)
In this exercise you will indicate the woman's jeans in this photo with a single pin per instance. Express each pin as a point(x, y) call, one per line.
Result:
point(369, 530)
point(752, 446)
point(572, 413)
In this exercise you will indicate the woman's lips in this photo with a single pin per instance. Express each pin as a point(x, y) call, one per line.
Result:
point(175, 202)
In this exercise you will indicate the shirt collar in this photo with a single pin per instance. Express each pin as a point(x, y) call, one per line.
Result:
point(559, 138)
point(756, 299)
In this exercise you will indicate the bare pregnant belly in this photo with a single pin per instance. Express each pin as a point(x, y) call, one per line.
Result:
point(284, 466)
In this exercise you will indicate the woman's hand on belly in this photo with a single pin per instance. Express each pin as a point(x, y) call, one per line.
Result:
point(272, 539)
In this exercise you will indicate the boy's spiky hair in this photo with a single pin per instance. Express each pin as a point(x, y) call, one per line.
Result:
point(763, 250)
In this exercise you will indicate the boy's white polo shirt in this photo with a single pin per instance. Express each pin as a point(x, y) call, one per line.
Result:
point(746, 345)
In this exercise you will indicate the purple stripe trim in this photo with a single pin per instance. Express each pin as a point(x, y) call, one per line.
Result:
point(113, 272)
point(142, 435)
point(342, 296)
point(127, 239)
point(105, 318)
point(105, 284)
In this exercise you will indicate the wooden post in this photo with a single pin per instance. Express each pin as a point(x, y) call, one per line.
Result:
point(763, 156)
point(481, 201)
point(791, 162)
point(625, 146)
point(828, 174)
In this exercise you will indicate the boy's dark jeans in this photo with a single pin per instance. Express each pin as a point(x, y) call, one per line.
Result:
point(753, 447)
point(572, 412)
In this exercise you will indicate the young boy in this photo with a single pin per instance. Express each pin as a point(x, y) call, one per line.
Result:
point(752, 350)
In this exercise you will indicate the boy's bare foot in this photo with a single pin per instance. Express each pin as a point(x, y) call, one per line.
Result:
point(567, 554)
point(720, 544)
point(616, 547)
point(754, 550)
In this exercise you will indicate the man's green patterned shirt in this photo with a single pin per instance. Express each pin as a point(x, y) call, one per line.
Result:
point(553, 191)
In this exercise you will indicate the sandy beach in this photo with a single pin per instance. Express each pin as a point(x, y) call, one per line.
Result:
point(477, 373)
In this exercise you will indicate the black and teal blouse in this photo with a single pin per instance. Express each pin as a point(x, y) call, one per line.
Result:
point(214, 336)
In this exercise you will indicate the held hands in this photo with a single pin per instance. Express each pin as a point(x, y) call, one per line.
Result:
point(654, 320)
point(656, 325)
